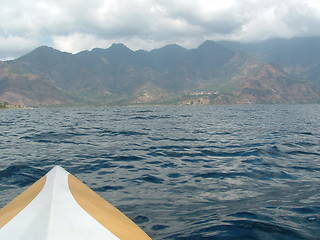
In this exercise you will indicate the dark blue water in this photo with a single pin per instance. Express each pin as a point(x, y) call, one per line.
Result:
point(209, 172)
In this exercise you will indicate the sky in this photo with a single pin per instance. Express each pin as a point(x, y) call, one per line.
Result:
point(77, 25)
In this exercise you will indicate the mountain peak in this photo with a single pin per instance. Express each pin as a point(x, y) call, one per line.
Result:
point(173, 47)
point(209, 43)
point(170, 49)
point(212, 45)
point(45, 47)
point(119, 47)
point(41, 52)
point(45, 50)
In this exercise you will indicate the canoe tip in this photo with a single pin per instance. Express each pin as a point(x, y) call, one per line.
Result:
point(58, 168)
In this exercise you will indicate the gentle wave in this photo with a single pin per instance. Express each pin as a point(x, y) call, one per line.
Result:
point(211, 172)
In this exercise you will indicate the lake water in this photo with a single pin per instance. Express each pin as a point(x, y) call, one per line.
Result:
point(180, 172)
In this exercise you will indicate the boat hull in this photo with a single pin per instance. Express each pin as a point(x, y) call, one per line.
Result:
point(60, 207)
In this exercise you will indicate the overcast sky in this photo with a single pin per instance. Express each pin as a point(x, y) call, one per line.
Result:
point(76, 25)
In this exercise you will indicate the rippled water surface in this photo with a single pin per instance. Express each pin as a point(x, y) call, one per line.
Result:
point(208, 172)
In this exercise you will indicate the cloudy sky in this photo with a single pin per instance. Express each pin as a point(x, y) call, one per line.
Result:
point(75, 25)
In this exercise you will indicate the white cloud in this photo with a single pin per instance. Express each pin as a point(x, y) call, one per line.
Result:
point(73, 25)
point(13, 46)
point(77, 42)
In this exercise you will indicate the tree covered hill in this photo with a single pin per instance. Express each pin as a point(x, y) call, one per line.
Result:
point(213, 73)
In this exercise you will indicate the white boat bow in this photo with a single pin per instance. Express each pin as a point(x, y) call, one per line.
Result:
point(60, 207)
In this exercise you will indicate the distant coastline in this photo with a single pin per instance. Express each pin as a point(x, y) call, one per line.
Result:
point(7, 105)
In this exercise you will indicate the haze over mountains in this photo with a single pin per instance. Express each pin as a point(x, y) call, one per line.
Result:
point(274, 71)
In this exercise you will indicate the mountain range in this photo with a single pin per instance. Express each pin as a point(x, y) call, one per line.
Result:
point(224, 72)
